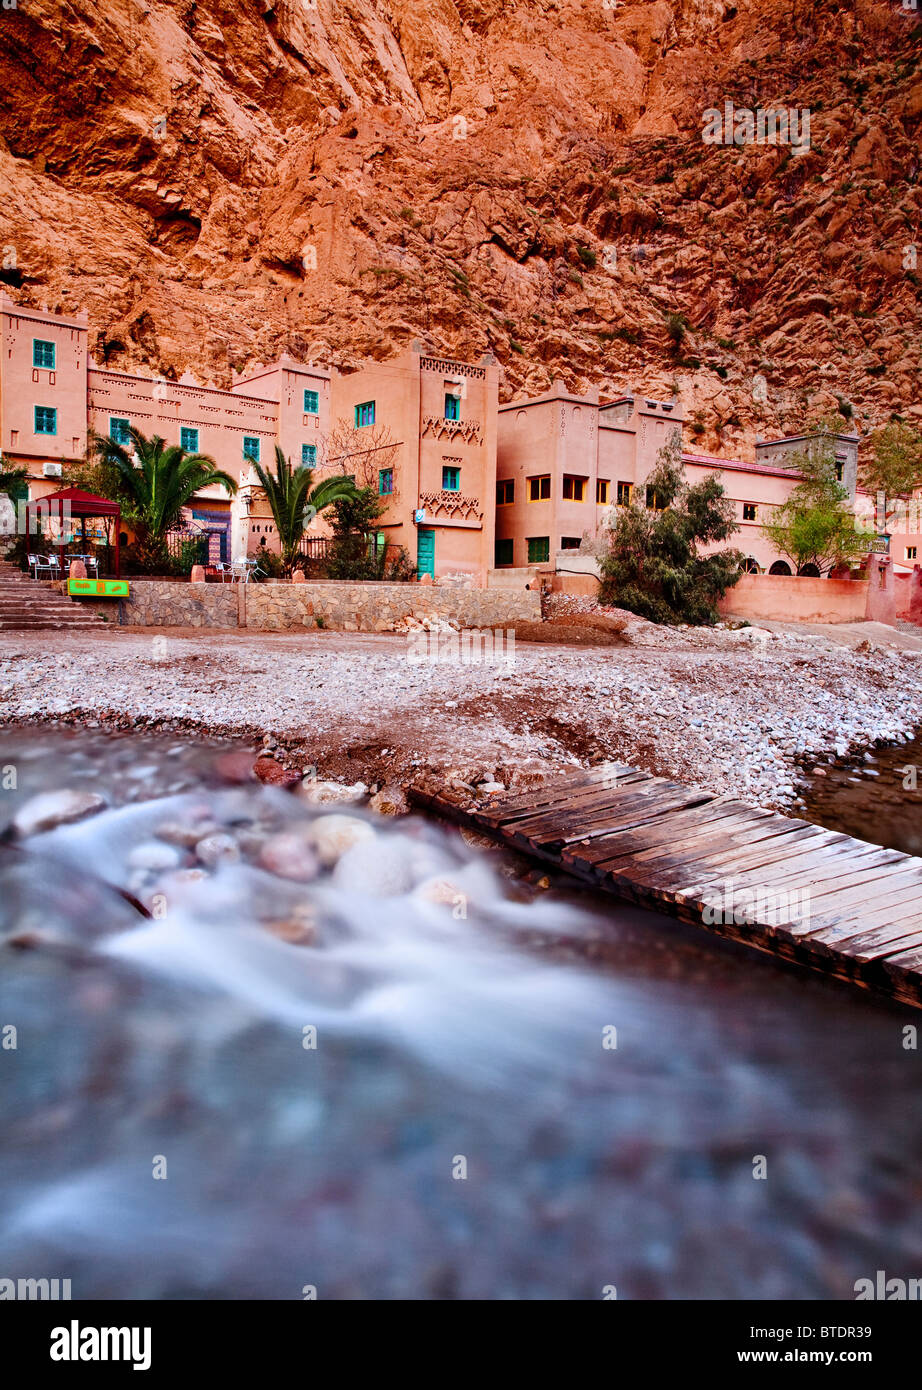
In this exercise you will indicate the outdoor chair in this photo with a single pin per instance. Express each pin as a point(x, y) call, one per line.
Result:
point(225, 570)
point(245, 568)
point(44, 562)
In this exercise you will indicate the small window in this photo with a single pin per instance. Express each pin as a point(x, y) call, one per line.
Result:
point(749, 511)
point(308, 455)
point(42, 354)
point(624, 494)
point(364, 414)
point(385, 482)
point(503, 552)
point(189, 440)
point(119, 430)
point(46, 419)
point(539, 550)
point(570, 542)
point(840, 472)
point(311, 403)
point(505, 492)
point(452, 406)
point(574, 489)
point(251, 447)
point(911, 552)
point(601, 492)
point(654, 501)
point(539, 488)
point(451, 479)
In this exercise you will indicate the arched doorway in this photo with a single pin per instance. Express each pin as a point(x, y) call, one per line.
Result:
point(780, 567)
point(809, 572)
point(749, 566)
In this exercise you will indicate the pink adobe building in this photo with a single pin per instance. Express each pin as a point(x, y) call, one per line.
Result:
point(421, 429)
point(564, 461)
point(469, 486)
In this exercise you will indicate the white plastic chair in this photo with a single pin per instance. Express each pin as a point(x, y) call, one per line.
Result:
point(245, 568)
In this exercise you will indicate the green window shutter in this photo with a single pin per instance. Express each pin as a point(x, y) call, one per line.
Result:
point(46, 419)
point(189, 440)
point(539, 550)
point(43, 354)
point(308, 455)
point(451, 479)
point(119, 430)
point(452, 406)
point(251, 447)
point(311, 403)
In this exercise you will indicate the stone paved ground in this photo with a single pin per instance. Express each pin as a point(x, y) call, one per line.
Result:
point(726, 710)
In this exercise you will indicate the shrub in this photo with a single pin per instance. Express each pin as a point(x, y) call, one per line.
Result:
point(652, 566)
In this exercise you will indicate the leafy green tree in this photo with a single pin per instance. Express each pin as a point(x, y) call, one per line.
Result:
point(653, 565)
point(154, 484)
point(895, 465)
point(815, 526)
point(13, 481)
point(295, 500)
point(354, 552)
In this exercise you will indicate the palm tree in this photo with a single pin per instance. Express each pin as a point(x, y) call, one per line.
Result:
point(294, 500)
point(156, 481)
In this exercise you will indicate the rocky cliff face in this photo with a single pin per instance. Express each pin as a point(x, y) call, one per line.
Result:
point(216, 183)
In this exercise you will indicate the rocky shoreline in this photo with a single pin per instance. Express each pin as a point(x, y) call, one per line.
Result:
point(740, 711)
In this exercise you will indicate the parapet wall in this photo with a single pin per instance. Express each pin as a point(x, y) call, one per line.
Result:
point(788, 598)
point(343, 607)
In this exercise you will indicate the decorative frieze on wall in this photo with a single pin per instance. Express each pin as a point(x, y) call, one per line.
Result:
point(438, 364)
point(467, 430)
point(451, 504)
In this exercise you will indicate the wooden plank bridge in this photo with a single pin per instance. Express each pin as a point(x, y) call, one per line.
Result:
point(839, 905)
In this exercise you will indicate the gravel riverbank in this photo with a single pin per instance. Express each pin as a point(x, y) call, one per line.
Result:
point(731, 711)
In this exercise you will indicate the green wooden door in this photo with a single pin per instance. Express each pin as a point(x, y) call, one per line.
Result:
point(425, 551)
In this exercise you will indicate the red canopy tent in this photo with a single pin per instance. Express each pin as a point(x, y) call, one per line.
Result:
point(69, 502)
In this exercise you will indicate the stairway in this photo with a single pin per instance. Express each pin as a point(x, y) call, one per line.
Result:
point(35, 603)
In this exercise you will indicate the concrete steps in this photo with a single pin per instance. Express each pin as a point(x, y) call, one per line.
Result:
point(27, 603)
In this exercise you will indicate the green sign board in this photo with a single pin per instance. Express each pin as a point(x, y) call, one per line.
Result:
point(97, 588)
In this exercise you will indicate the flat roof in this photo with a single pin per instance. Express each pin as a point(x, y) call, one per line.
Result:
point(738, 466)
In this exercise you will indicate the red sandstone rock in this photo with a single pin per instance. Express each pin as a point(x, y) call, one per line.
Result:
point(443, 165)
point(77, 570)
point(271, 772)
point(198, 574)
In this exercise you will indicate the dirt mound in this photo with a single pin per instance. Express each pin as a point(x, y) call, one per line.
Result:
point(571, 633)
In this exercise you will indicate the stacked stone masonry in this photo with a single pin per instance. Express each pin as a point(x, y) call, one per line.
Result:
point(341, 607)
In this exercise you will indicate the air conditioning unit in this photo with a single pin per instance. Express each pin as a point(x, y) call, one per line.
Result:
point(51, 470)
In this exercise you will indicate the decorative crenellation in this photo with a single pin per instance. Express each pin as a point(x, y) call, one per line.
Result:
point(451, 504)
point(467, 430)
point(438, 364)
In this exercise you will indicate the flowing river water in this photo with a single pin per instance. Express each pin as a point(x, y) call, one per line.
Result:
point(372, 1062)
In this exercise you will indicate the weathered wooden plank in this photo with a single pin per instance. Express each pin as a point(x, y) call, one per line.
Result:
point(608, 799)
point(676, 848)
point(696, 823)
point(634, 812)
point(556, 792)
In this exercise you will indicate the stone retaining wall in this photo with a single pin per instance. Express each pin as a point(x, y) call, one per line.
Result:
point(344, 607)
point(348, 607)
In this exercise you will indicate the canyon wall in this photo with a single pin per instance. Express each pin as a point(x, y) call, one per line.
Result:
point(217, 183)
